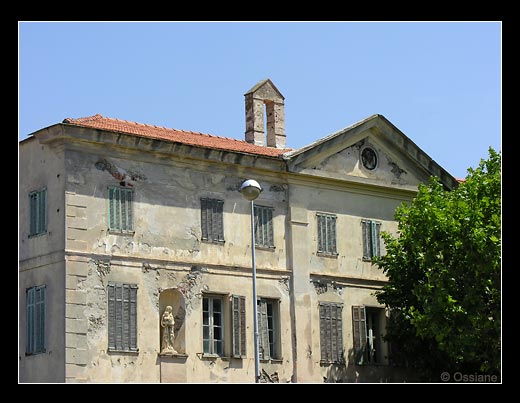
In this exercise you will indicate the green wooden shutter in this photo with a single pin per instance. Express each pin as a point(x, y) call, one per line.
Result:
point(238, 312)
point(214, 221)
point(326, 239)
point(337, 332)
point(334, 347)
point(360, 333)
point(243, 326)
point(320, 233)
point(220, 220)
point(204, 218)
point(323, 340)
point(263, 336)
point(372, 239)
point(235, 319)
point(332, 235)
point(124, 210)
point(117, 209)
point(40, 319)
point(210, 219)
point(263, 226)
point(110, 208)
point(325, 332)
point(133, 317)
point(32, 214)
point(129, 210)
point(111, 317)
point(119, 316)
point(31, 308)
point(125, 337)
point(377, 239)
point(256, 213)
point(43, 211)
point(260, 227)
point(270, 236)
point(365, 225)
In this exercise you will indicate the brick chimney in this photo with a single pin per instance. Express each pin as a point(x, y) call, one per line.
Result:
point(265, 93)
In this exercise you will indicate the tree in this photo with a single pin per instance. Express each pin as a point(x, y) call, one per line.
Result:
point(443, 270)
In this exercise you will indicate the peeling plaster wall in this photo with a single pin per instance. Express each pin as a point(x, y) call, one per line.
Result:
point(41, 167)
point(165, 252)
point(390, 169)
point(348, 296)
point(166, 211)
point(41, 260)
point(351, 281)
point(48, 366)
point(349, 208)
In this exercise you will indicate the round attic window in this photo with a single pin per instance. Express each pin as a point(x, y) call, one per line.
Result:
point(369, 158)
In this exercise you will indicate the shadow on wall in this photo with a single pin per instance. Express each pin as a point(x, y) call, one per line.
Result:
point(349, 372)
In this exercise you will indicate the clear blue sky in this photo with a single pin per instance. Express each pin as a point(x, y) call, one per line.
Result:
point(439, 83)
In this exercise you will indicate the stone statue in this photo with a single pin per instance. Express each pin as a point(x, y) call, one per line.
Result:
point(167, 323)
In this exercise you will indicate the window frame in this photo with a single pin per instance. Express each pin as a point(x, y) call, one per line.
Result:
point(325, 225)
point(38, 212)
point(115, 203)
point(335, 342)
point(364, 351)
point(264, 330)
point(212, 220)
point(371, 239)
point(132, 318)
point(211, 326)
point(36, 320)
point(264, 231)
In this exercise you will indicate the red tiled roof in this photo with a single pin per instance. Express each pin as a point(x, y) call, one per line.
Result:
point(174, 135)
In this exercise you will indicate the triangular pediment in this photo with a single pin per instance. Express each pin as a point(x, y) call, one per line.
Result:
point(372, 151)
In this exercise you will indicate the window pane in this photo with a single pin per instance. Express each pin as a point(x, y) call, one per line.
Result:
point(216, 305)
point(218, 347)
point(206, 346)
point(205, 305)
point(217, 333)
point(217, 319)
point(205, 332)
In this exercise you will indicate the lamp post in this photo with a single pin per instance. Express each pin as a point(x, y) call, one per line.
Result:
point(250, 190)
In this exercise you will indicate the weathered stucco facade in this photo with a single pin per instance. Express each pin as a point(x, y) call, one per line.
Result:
point(167, 259)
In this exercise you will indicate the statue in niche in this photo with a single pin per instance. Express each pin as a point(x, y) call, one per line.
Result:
point(167, 323)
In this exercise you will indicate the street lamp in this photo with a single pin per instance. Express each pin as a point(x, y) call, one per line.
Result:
point(251, 189)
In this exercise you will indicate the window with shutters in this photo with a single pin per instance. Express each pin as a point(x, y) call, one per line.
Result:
point(38, 212)
point(35, 303)
point(331, 332)
point(238, 317)
point(264, 227)
point(212, 220)
point(371, 239)
point(268, 329)
point(120, 209)
point(122, 317)
point(326, 234)
point(213, 325)
point(367, 330)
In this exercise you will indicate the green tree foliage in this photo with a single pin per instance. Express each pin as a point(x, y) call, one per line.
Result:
point(444, 276)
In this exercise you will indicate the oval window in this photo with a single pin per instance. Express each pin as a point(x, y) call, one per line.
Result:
point(369, 158)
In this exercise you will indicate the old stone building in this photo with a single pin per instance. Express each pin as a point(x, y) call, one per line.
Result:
point(135, 250)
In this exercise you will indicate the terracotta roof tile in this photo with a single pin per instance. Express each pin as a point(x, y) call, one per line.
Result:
point(174, 135)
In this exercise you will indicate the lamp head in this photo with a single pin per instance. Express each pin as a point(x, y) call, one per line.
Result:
point(250, 189)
